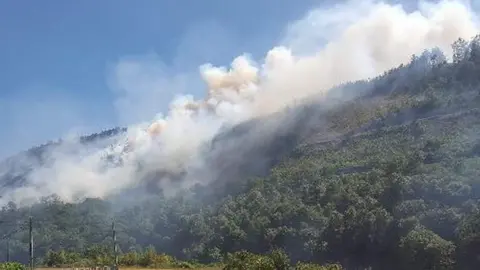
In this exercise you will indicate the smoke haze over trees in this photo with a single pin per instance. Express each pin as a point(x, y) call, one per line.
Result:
point(330, 46)
point(379, 172)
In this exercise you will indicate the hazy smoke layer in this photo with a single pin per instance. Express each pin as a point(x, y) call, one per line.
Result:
point(343, 43)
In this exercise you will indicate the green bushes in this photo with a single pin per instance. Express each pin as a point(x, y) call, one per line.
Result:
point(96, 256)
point(311, 266)
point(276, 260)
point(12, 266)
point(244, 260)
point(241, 260)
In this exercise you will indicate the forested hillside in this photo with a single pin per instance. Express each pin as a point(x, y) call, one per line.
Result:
point(389, 180)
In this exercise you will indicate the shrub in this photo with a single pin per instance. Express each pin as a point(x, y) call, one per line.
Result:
point(12, 266)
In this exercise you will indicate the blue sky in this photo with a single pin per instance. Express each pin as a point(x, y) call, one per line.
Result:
point(61, 61)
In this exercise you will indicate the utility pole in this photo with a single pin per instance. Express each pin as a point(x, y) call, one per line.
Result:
point(114, 237)
point(30, 230)
point(8, 249)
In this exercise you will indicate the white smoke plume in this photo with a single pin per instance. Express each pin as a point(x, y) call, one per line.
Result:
point(347, 42)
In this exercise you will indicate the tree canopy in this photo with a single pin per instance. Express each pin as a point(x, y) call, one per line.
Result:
point(396, 187)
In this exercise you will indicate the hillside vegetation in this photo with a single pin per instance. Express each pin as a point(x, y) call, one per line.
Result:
point(388, 181)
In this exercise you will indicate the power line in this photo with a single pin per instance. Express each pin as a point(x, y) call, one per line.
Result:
point(8, 235)
point(29, 225)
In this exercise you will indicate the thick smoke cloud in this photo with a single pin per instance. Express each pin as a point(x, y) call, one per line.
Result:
point(346, 42)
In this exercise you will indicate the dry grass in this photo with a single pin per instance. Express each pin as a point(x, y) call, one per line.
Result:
point(131, 268)
point(205, 268)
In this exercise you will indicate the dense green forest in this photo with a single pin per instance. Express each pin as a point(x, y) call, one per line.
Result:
point(390, 182)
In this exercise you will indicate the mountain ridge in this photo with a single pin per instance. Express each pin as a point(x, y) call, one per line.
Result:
point(386, 179)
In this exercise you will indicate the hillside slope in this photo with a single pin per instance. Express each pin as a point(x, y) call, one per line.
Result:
point(388, 180)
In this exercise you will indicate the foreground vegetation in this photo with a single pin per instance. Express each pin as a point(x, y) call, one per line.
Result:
point(396, 188)
point(99, 256)
point(12, 266)
point(102, 256)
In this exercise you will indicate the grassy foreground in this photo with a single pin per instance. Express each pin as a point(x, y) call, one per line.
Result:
point(243, 260)
point(134, 268)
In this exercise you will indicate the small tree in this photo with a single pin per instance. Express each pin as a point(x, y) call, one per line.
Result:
point(423, 249)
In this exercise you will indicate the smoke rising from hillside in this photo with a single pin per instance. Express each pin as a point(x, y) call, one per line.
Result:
point(359, 40)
